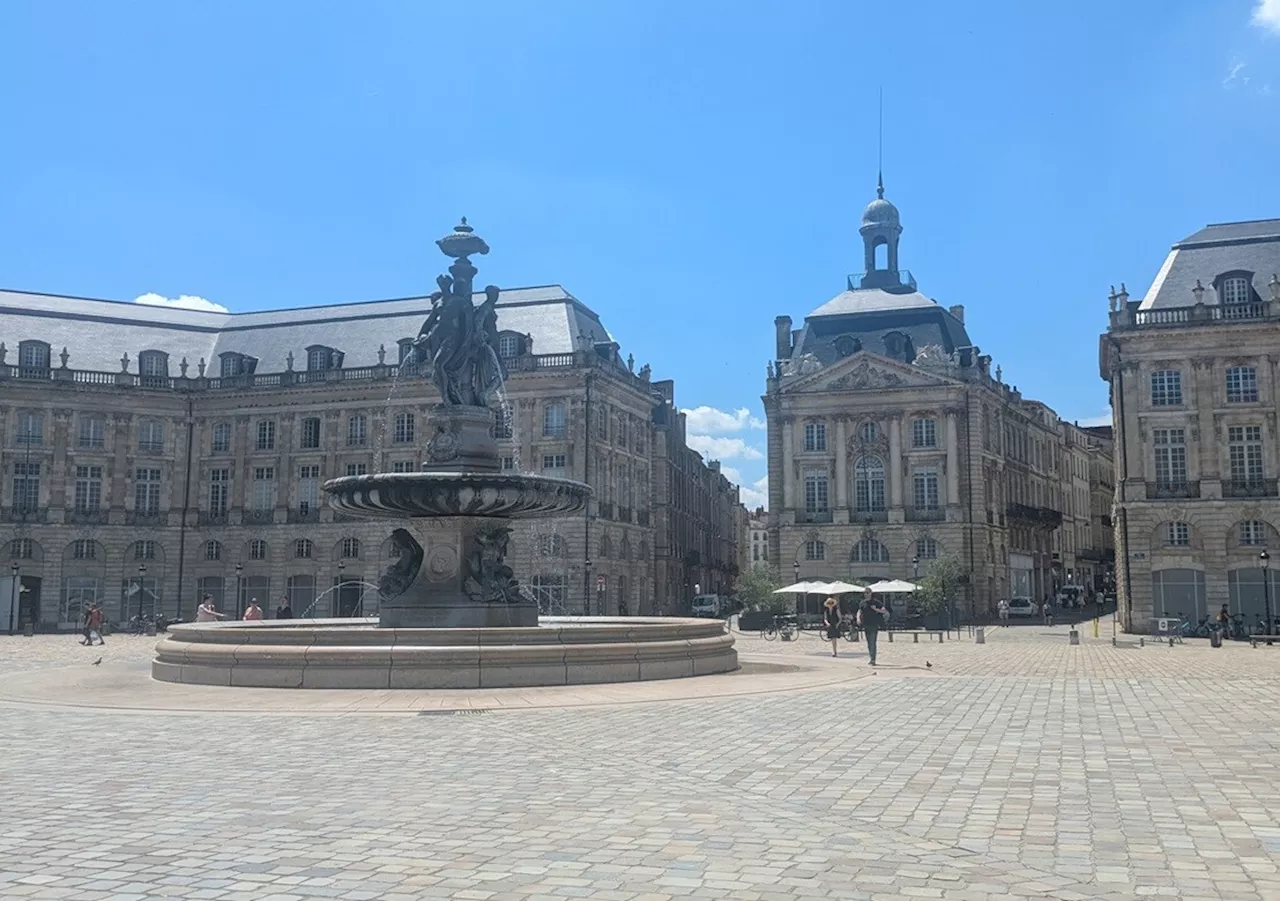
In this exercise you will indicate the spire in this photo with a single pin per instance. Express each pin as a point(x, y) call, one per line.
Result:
point(880, 185)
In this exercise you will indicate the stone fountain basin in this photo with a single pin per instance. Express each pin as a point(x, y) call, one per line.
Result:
point(347, 653)
point(413, 495)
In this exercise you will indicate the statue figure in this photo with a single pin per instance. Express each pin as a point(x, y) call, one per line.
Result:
point(400, 575)
point(631, 362)
point(769, 370)
point(645, 372)
point(459, 339)
point(489, 580)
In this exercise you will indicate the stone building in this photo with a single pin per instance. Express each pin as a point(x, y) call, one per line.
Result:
point(758, 538)
point(892, 443)
point(152, 454)
point(1193, 375)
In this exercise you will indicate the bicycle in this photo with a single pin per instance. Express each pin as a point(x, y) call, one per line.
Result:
point(780, 626)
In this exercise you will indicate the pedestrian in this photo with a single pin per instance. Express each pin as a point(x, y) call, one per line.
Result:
point(1224, 620)
point(84, 638)
point(831, 619)
point(285, 610)
point(1048, 613)
point(1002, 610)
point(253, 612)
point(871, 618)
point(207, 612)
point(93, 625)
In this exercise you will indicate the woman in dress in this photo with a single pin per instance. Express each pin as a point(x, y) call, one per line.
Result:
point(831, 619)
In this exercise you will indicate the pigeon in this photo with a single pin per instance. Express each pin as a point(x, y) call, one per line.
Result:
point(98, 661)
point(928, 665)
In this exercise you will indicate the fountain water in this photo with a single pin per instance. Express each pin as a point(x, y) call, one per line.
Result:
point(451, 612)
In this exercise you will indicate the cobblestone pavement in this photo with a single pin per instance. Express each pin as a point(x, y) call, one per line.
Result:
point(1022, 768)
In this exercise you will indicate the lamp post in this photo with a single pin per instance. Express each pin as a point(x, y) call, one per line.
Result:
point(342, 565)
point(586, 589)
point(795, 570)
point(13, 597)
point(142, 572)
point(1264, 558)
point(239, 587)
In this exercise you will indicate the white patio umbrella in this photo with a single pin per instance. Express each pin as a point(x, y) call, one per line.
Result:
point(802, 588)
point(894, 586)
point(842, 588)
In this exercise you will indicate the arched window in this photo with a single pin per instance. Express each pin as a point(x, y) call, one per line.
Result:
point(144, 550)
point(868, 485)
point(153, 366)
point(1236, 290)
point(351, 547)
point(926, 549)
point(221, 441)
point(868, 550)
point(257, 549)
point(357, 429)
point(815, 550)
point(1177, 534)
point(868, 433)
point(84, 549)
point(302, 548)
point(22, 549)
point(212, 550)
point(33, 358)
point(508, 346)
point(1253, 533)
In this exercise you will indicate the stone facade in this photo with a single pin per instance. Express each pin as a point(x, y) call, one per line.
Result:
point(892, 443)
point(181, 483)
point(758, 539)
point(1192, 369)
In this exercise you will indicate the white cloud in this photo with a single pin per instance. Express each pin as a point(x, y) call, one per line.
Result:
point(1100, 419)
point(183, 302)
point(731, 474)
point(724, 448)
point(1236, 74)
point(755, 495)
point(711, 421)
point(1267, 15)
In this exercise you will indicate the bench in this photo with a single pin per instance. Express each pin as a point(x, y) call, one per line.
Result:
point(916, 633)
point(1255, 640)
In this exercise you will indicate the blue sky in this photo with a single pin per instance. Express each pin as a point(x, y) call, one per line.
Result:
point(690, 170)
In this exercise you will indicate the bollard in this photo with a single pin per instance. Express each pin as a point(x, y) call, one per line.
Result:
point(1142, 642)
point(1215, 639)
point(980, 637)
point(1073, 637)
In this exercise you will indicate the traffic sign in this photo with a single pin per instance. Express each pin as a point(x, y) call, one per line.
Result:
point(600, 581)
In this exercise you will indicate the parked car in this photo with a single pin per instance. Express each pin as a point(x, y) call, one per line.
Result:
point(1070, 596)
point(1022, 607)
point(707, 605)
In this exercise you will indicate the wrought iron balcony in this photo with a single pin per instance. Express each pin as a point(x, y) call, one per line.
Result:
point(1036, 516)
point(87, 517)
point(1172, 490)
point(312, 514)
point(1096, 554)
point(134, 518)
point(818, 516)
point(259, 517)
point(23, 514)
point(212, 518)
point(925, 514)
point(868, 516)
point(1249, 488)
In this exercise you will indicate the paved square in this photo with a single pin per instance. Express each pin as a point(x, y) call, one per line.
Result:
point(1022, 768)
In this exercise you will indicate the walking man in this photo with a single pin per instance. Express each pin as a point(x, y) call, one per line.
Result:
point(1003, 610)
point(206, 612)
point(93, 624)
point(871, 617)
point(1048, 613)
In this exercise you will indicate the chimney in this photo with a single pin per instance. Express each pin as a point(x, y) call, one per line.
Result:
point(783, 326)
point(957, 310)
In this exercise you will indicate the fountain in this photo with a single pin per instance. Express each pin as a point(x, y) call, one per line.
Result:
point(451, 612)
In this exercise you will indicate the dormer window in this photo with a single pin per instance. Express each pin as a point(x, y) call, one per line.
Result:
point(321, 358)
point(899, 346)
point(1236, 289)
point(508, 345)
point(153, 365)
point(406, 348)
point(846, 345)
point(234, 364)
point(33, 358)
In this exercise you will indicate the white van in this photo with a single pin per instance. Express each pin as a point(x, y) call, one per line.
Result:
point(707, 605)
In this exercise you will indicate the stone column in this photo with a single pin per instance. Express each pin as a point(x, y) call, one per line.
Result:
point(1200, 398)
point(788, 464)
point(953, 461)
point(895, 461)
point(842, 471)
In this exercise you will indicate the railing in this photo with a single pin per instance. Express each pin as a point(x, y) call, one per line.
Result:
point(212, 517)
point(1234, 312)
point(624, 514)
point(259, 517)
point(905, 278)
point(1096, 554)
point(93, 378)
point(925, 514)
point(312, 515)
point(869, 515)
point(1249, 488)
point(87, 517)
point(134, 518)
point(1041, 516)
point(553, 361)
point(23, 514)
point(1168, 490)
point(818, 516)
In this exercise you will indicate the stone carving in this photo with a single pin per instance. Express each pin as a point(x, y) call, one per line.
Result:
point(769, 369)
point(64, 356)
point(864, 376)
point(646, 372)
point(489, 580)
point(200, 367)
point(382, 354)
point(443, 446)
point(288, 362)
point(459, 339)
point(805, 364)
point(3, 350)
point(400, 575)
point(124, 363)
point(631, 362)
point(183, 367)
point(932, 355)
point(442, 563)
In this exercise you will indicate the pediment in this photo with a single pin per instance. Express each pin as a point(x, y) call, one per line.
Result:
point(865, 371)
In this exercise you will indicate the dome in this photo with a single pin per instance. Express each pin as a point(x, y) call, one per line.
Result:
point(880, 212)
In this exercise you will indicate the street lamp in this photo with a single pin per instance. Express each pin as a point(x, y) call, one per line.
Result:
point(142, 572)
point(13, 598)
point(342, 565)
point(586, 588)
point(795, 570)
point(239, 587)
point(1264, 558)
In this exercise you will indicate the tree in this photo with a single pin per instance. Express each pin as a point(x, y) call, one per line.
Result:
point(942, 584)
point(756, 587)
